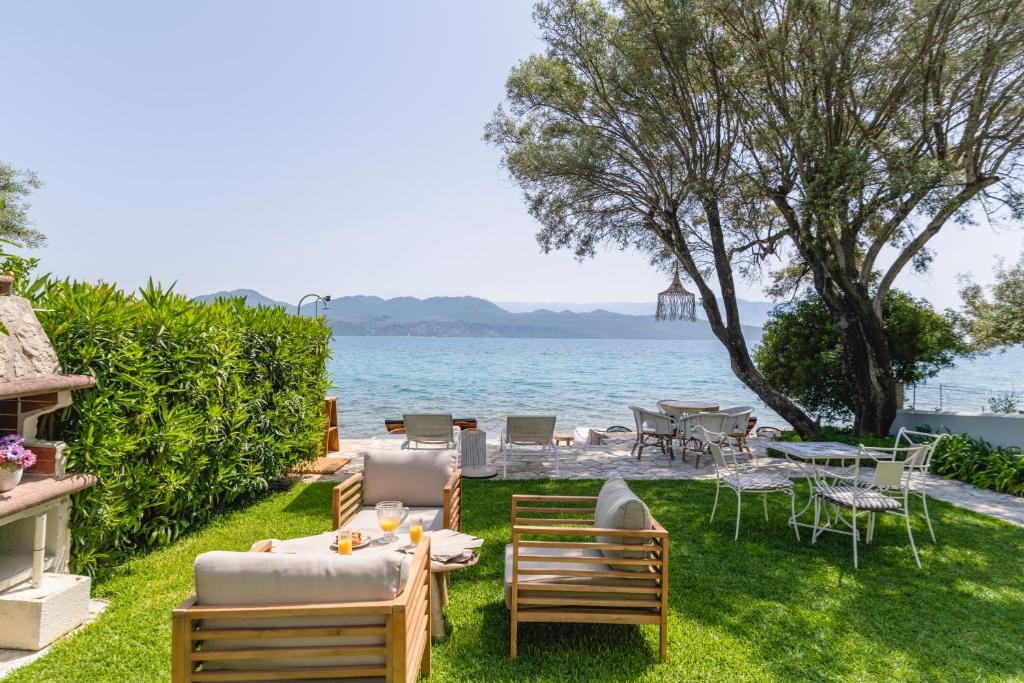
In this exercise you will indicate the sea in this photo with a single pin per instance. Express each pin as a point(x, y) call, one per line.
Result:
point(585, 382)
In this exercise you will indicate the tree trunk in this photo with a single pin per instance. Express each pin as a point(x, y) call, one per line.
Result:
point(730, 331)
point(868, 364)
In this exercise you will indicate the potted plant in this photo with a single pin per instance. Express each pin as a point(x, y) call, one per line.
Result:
point(14, 459)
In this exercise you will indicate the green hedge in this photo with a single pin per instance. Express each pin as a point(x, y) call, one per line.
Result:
point(980, 463)
point(197, 406)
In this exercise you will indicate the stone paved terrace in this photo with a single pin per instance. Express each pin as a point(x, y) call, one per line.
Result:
point(614, 460)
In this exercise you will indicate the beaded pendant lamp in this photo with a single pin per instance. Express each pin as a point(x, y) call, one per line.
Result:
point(676, 303)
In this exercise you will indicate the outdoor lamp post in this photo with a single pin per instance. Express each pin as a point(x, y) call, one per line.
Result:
point(326, 299)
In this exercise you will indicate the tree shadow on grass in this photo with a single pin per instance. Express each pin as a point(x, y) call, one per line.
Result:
point(953, 619)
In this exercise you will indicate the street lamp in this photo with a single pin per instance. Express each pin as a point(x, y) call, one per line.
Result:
point(316, 301)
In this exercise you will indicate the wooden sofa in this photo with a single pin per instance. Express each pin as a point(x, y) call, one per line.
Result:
point(250, 640)
point(551, 579)
point(427, 481)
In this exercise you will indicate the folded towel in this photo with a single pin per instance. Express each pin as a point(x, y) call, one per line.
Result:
point(449, 546)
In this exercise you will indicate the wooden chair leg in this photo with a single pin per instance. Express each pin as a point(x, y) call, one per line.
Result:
point(513, 636)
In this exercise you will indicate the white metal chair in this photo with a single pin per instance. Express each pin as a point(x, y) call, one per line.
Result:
point(888, 492)
point(690, 435)
point(916, 450)
point(429, 428)
point(744, 479)
point(528, 430)
point(651, 425)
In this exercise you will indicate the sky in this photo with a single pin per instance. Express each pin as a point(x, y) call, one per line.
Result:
point(295, 147)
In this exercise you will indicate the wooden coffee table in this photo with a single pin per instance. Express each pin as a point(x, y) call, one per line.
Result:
point(566, 439)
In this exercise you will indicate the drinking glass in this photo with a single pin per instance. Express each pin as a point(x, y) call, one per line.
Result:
point(415, 531)
point(390, 515)
point(344, 542)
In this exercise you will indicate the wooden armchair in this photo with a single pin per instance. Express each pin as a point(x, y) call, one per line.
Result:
point(348, 500)
point(383, 640)
point(552, 579)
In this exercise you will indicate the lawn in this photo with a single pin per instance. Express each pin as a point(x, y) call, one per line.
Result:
point(764, 608)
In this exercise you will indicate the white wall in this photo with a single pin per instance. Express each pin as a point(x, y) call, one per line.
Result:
point(997, 428)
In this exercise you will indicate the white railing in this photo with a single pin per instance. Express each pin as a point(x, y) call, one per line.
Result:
point(953, 397)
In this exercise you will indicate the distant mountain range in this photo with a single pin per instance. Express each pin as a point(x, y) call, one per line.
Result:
point(468, 316)
point(751, 312)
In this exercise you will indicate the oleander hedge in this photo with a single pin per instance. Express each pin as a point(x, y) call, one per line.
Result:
point(197, 407)
point(978, 462)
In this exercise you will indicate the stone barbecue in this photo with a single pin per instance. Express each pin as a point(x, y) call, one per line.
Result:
point(39, 601)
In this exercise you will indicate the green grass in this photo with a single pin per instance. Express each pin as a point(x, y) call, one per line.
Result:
point(764, 608)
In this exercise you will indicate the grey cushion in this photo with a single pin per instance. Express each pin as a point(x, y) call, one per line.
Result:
point(619, 508)
point(366, 520)
point(561, 567)
point(416, 478)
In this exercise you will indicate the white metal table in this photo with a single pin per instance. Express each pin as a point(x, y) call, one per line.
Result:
point(812, 458)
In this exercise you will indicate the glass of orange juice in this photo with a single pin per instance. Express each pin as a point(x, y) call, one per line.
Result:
point(344, 542)
point(415, 531)
point(390, 515)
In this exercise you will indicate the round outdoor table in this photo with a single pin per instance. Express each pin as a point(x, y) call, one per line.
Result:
point(676, 408)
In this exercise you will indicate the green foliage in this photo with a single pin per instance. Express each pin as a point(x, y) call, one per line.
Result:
point(768, 608)
point(1006, 402)
point(801, 351)
point(15, 226)
point(841, 435)
point(994, 321)
point(980, 463)
point(196, 407)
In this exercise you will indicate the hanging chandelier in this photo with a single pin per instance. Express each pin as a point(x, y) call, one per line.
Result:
point(676, 303)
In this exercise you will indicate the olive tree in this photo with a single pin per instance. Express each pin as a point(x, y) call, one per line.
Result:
point(828, 141)
point(996, 319)
point(15, 227)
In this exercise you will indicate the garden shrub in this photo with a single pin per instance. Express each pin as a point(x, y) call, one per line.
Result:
point(980, 463)
point(197, 407)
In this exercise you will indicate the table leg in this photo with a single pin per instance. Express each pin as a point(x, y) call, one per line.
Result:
point(438, 599)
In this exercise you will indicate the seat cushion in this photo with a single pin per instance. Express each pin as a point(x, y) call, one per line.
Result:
point(365, 519)
point(864, 499)
point(619, 508)
point(232, 578)
point(758, 481)
point(596, 582)
point(413, 477)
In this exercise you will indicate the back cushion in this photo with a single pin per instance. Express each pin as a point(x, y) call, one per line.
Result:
point(228, 578)
point(414, 477)
point(619, 508)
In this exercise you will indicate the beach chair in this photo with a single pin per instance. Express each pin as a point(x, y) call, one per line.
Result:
point(528, 430)
point(429, 428)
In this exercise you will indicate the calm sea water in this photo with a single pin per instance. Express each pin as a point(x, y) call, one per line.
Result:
point(589, 382)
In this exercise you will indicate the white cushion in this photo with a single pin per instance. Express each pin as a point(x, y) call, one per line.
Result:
point(619, 508)
point(596, 582)
point(414, 477)
point(366, 519)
